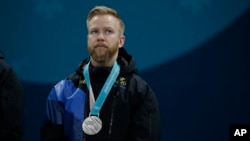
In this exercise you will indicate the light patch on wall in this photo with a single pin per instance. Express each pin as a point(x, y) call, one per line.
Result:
point(48, 8)
point(195, 6)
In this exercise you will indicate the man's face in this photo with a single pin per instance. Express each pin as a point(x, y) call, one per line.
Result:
point(104, 38)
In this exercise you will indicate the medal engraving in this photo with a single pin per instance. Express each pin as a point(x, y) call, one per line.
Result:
point(92, 125)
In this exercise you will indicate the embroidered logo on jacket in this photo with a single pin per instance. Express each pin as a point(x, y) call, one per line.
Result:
point(120, 81)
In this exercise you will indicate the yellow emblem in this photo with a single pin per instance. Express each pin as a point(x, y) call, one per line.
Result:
point(82, 82)
point(121, 81)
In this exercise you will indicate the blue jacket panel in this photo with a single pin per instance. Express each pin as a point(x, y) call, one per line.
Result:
point(61, 108)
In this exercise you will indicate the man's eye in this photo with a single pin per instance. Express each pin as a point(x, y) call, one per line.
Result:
point(93, 32)
point(108, 31)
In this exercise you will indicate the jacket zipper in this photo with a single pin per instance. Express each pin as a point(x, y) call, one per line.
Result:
point(112, 114)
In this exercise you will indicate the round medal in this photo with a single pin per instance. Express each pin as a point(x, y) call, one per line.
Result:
point(92, 125)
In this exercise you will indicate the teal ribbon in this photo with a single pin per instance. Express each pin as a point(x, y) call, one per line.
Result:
point(105, 89)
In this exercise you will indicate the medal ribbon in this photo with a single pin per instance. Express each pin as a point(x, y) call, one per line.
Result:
point(95, 106)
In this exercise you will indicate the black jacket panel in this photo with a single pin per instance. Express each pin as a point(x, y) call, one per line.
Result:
point(11, 104)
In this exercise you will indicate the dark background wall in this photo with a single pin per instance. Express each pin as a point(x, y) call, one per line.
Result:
point(194, 54)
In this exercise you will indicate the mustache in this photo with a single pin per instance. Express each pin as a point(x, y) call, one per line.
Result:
point(100, 45)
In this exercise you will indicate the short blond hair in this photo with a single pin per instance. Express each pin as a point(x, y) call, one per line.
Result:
point(103, 10)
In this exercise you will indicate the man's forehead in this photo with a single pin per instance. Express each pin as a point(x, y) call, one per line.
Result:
point(103, 18)
point(104, 21)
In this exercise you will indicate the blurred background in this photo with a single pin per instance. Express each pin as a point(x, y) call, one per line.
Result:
point(194, 53)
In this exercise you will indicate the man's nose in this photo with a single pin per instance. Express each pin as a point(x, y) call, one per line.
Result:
point(100, 37)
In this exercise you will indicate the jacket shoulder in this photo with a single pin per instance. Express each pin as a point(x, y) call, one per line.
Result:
point(62, 90)
point(138, 82)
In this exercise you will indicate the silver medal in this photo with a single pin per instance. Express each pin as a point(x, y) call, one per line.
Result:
point(92, 125)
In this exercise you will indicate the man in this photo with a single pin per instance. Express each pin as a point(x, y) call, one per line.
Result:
point(11, 103)
point(104, 99)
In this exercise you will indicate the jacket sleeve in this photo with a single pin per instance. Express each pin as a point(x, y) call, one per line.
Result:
point(52, 132)
point(53, 127)
point(145, 115)
point(11, 104)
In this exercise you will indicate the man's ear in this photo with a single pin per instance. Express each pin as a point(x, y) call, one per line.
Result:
point(121, 41)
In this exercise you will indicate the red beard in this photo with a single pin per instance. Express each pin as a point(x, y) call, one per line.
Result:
point(101, 52)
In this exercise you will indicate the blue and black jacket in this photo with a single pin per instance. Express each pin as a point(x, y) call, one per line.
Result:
point(130, 112)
